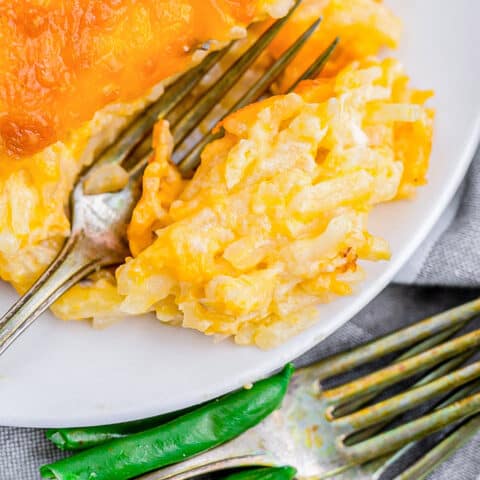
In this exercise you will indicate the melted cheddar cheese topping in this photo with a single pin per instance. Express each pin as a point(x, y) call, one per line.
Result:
point(63, 61)
point(71, 76)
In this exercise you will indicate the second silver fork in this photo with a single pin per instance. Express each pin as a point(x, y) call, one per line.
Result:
point(347, 432)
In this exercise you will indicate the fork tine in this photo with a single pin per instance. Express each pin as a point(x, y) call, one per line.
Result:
point(143, 124)
point(139, 156)
point(386, 460)
point(403, 402)
point(440, 452)
point(394, 439)
point(392, 374)
point(317, 66)
point(188, 122)
point(403, 338)
point(446, 367)
point(192, 158)
point(474, 387)
point(134, 142)
point(335, 411)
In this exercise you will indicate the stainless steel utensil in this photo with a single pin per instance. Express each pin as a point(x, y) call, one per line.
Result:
point(98, 233)
point(322, 432)
point(346, 431)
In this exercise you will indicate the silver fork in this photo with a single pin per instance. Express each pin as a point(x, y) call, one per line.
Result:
point(346, 431)
point(98, 232)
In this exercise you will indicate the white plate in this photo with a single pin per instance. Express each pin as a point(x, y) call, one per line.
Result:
point(67, 374)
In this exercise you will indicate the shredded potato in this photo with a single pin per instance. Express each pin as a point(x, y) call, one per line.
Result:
point(107, 178)
point(274, 220)
point(72, 98)
point(364, 27)
point(273, 224)
point(34, 194)
point(95, 298)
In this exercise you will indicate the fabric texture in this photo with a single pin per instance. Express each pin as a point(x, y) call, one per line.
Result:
point(22, 451)
point(450, 258)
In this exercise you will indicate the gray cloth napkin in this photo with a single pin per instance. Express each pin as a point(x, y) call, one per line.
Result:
point(450, 257)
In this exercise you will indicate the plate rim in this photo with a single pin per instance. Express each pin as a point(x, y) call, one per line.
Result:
point(274, 362)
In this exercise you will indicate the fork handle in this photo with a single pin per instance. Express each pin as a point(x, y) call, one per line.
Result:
point(71, 265)
point(244, 451)
point(194, 467)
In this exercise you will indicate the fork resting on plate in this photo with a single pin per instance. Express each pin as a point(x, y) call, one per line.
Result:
point(99, 221)
point(355, 430)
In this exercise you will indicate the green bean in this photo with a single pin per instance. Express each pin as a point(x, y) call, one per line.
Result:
point(265, 473)
point(202, 429)
point(82, 438)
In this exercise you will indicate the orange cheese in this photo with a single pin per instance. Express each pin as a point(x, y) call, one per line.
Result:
point(62, 61)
